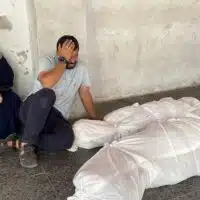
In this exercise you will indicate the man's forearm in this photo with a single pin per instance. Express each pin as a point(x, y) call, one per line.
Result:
point(88, 103)
point(50, 78)
point(89, 106)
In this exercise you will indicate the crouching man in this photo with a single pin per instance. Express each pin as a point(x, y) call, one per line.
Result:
point(45, 112)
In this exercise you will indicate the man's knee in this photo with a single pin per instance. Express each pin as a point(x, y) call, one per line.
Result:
point(45, 97)
point(46, 92)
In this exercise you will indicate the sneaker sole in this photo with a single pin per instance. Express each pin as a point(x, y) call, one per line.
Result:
point(29, 166)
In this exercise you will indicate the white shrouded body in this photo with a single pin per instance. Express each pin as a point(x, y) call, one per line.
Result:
point(129, 120)
point(164, 153)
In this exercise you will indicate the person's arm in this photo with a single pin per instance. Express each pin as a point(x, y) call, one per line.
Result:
point(87, 100)
point(49, 78)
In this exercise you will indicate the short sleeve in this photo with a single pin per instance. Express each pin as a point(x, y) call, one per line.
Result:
point(85, 78)
point(45, 64)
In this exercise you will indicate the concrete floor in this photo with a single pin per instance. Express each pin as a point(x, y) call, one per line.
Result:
point(52, 180)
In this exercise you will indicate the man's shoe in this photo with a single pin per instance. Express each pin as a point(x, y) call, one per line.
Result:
point(27, 157)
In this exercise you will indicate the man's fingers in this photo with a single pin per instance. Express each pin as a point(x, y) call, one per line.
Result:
point(65, 44)
point(72, 46)
point(68, 44)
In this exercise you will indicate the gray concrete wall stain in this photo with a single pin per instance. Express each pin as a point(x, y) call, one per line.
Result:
point(22, 57)
point(5, 23)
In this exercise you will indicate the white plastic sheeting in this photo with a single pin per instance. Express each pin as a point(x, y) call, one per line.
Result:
point(162, 154)
point(191, 101)
point(156, 110)
point(129, 120)
point(91, 133)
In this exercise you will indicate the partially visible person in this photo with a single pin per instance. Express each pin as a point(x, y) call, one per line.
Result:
point(45, 112)
point(9, 103)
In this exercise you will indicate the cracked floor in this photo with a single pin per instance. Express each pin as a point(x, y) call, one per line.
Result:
point(52, 180)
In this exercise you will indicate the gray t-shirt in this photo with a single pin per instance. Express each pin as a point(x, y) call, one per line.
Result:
point(67, 87)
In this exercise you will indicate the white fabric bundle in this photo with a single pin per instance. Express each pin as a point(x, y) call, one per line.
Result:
point(120, 114)
point(127, 121)
point(195, 103)
point(162, 154)
point(92, 133)
point(139, 117)
point(156, 110)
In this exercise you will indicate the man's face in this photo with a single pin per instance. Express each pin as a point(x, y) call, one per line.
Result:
point(74, 59)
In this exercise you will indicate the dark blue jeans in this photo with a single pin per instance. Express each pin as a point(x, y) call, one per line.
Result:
point(9, 114)
point(43, 125)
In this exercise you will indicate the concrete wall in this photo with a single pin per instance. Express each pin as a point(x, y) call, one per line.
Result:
point(130, 47)
point(18, 41)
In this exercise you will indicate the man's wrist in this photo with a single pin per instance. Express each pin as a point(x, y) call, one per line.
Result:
point(62, 60)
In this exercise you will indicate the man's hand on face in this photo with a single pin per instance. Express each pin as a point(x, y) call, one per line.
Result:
point(66, 50)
